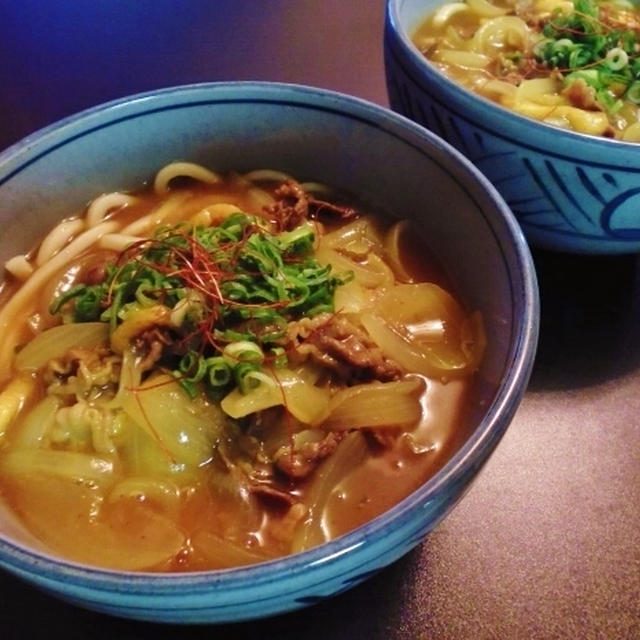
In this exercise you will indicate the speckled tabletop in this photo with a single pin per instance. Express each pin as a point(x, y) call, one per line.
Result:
point(546, 544)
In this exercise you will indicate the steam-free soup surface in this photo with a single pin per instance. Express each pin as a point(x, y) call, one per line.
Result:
point(224, 369)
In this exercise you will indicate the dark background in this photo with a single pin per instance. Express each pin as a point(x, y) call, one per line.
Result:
point(546, 544)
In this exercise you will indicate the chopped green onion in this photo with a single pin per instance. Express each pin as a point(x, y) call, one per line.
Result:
point(141, 293)
point(60, 301)
point(279, 357)
point(193, 366)
point(298, 240)
point(244, 381)
point(616, 59)
point(580, 43)
point(218, 372)
point(243, 351)
point(232, 290)
point(253, 378)
point(633, 92)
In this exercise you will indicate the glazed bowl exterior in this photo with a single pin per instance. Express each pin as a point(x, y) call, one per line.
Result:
point(318, 135)
point(570, 192)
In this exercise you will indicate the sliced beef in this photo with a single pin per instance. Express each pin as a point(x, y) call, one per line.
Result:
point(150, 345)
point(582, 96)
point(337, 343)
point(291, 207)
point(299, 462)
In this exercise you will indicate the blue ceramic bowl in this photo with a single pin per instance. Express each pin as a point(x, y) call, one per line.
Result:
point(570, 192)
point(317, 135)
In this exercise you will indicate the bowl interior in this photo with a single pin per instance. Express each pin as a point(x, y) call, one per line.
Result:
point(314, 135)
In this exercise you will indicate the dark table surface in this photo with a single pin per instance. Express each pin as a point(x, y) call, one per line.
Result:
point(546, 544)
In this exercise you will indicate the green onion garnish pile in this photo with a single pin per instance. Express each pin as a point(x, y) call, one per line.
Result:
point(230, 291)
point(587, 45)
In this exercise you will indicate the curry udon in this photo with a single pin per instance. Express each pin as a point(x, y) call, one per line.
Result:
point(574, 65)
point(223, 369)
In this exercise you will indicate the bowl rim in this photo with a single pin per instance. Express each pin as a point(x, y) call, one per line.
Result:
point(557, 137)
point(470, 456)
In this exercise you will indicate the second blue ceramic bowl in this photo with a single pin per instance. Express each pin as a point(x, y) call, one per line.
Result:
point(570, 192)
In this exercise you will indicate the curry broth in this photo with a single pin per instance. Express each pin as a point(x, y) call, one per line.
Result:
point(211, 521)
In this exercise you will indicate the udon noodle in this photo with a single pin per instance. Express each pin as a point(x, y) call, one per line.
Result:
point(574, 65)
point(223, 369)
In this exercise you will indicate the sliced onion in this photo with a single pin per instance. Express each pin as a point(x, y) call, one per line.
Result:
point(303, 400)
point(186, 429)
point(13, 398)
point(376, 405)
point(31, 432)
point(350, 453)
point(393, 242)
point(54, 343)
point(221, 553)
point(68, 465)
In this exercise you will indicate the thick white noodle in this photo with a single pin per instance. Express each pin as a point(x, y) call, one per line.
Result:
point(486, 9)
point(117, 241)
point(183, 170)
point(104, 204)
point(258, 175)
point(549, 6)
point(632, 133)
point(259, 197)
point(39, 277)
point(505, 33)
point(467, 59)
point(445, 12)
point(499, 87)
point(538, 90)
point(316, 187)
point(453, 39)
point(19, 267)
point(57, 238)
point(214, 214)
point(156, 217)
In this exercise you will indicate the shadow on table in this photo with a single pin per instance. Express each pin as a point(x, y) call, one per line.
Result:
point(590, 319)
point(372, 610)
